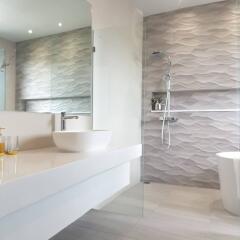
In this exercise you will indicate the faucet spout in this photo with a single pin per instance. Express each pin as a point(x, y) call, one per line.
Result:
point(64, 117)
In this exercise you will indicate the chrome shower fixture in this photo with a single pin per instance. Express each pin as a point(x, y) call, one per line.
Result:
point(162, 54)
point(4, 66)
point(6, 63)
point(167, 111)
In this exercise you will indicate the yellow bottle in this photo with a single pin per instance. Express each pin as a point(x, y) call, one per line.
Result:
point(2, 143)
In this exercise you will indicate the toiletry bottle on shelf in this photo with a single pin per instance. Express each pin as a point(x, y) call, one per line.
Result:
point(2, 142)
point(158, 106)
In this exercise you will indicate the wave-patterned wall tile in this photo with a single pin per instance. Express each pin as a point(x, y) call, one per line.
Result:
point(195, 139)
point(55, 66)
point(204, 48)
point(72, 105)
point(205, 52)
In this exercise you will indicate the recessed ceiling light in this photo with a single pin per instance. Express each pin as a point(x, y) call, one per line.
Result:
point(30, 31)
point(60, 24)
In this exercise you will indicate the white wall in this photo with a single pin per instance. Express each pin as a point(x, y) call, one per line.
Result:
point(117, 67)
point(117, 78)
point(34, 129)
point(10, 54)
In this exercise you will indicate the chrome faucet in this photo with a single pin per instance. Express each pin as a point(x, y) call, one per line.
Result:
point(65, 117)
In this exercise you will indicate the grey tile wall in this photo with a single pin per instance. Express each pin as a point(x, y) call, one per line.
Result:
point(57, 66)
point(203, 43)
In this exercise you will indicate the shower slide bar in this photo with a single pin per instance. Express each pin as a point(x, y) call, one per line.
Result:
point(199, 110)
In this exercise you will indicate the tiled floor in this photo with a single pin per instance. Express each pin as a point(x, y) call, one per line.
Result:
point(170, 213)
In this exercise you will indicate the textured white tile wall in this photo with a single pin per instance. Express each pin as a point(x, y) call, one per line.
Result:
point(58, 67)
point(203, 43)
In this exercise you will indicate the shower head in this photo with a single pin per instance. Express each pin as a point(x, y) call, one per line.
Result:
point(159, 54)
point(167, 74)
point(162, 54)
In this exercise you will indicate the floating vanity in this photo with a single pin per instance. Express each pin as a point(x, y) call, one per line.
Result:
point(43, 191)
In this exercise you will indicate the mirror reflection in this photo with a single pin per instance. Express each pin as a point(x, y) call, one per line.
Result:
point(45, 56)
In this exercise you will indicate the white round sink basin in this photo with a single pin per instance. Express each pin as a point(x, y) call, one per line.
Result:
point(84, 141)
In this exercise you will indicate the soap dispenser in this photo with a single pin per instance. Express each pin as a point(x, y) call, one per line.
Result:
point(2, 142)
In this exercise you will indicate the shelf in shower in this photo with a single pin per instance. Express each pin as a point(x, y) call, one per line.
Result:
point(55, 98)
point(197, 90)
point(199, 110)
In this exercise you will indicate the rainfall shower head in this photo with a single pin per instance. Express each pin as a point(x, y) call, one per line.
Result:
point(162, 54)
point(159, 54)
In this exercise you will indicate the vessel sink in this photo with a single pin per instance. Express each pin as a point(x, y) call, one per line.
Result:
point(84, 141)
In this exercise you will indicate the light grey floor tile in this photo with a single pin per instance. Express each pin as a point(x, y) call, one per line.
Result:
point(170, 227)
point(108, 222)
point(129, 203)
point(170, 213)
point(67, 234)
point(212, 236)
point(86, 234)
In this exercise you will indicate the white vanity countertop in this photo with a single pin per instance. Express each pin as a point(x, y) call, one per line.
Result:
point(36, 174)
point(32, 162)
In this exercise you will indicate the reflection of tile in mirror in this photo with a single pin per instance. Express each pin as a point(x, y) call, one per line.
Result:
point(53, 55)
point(54, 72)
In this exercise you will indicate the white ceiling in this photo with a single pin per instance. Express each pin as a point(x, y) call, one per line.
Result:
point(42, 16)
point(151, 7)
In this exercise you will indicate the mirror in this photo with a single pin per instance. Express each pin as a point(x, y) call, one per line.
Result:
point(45, 56)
